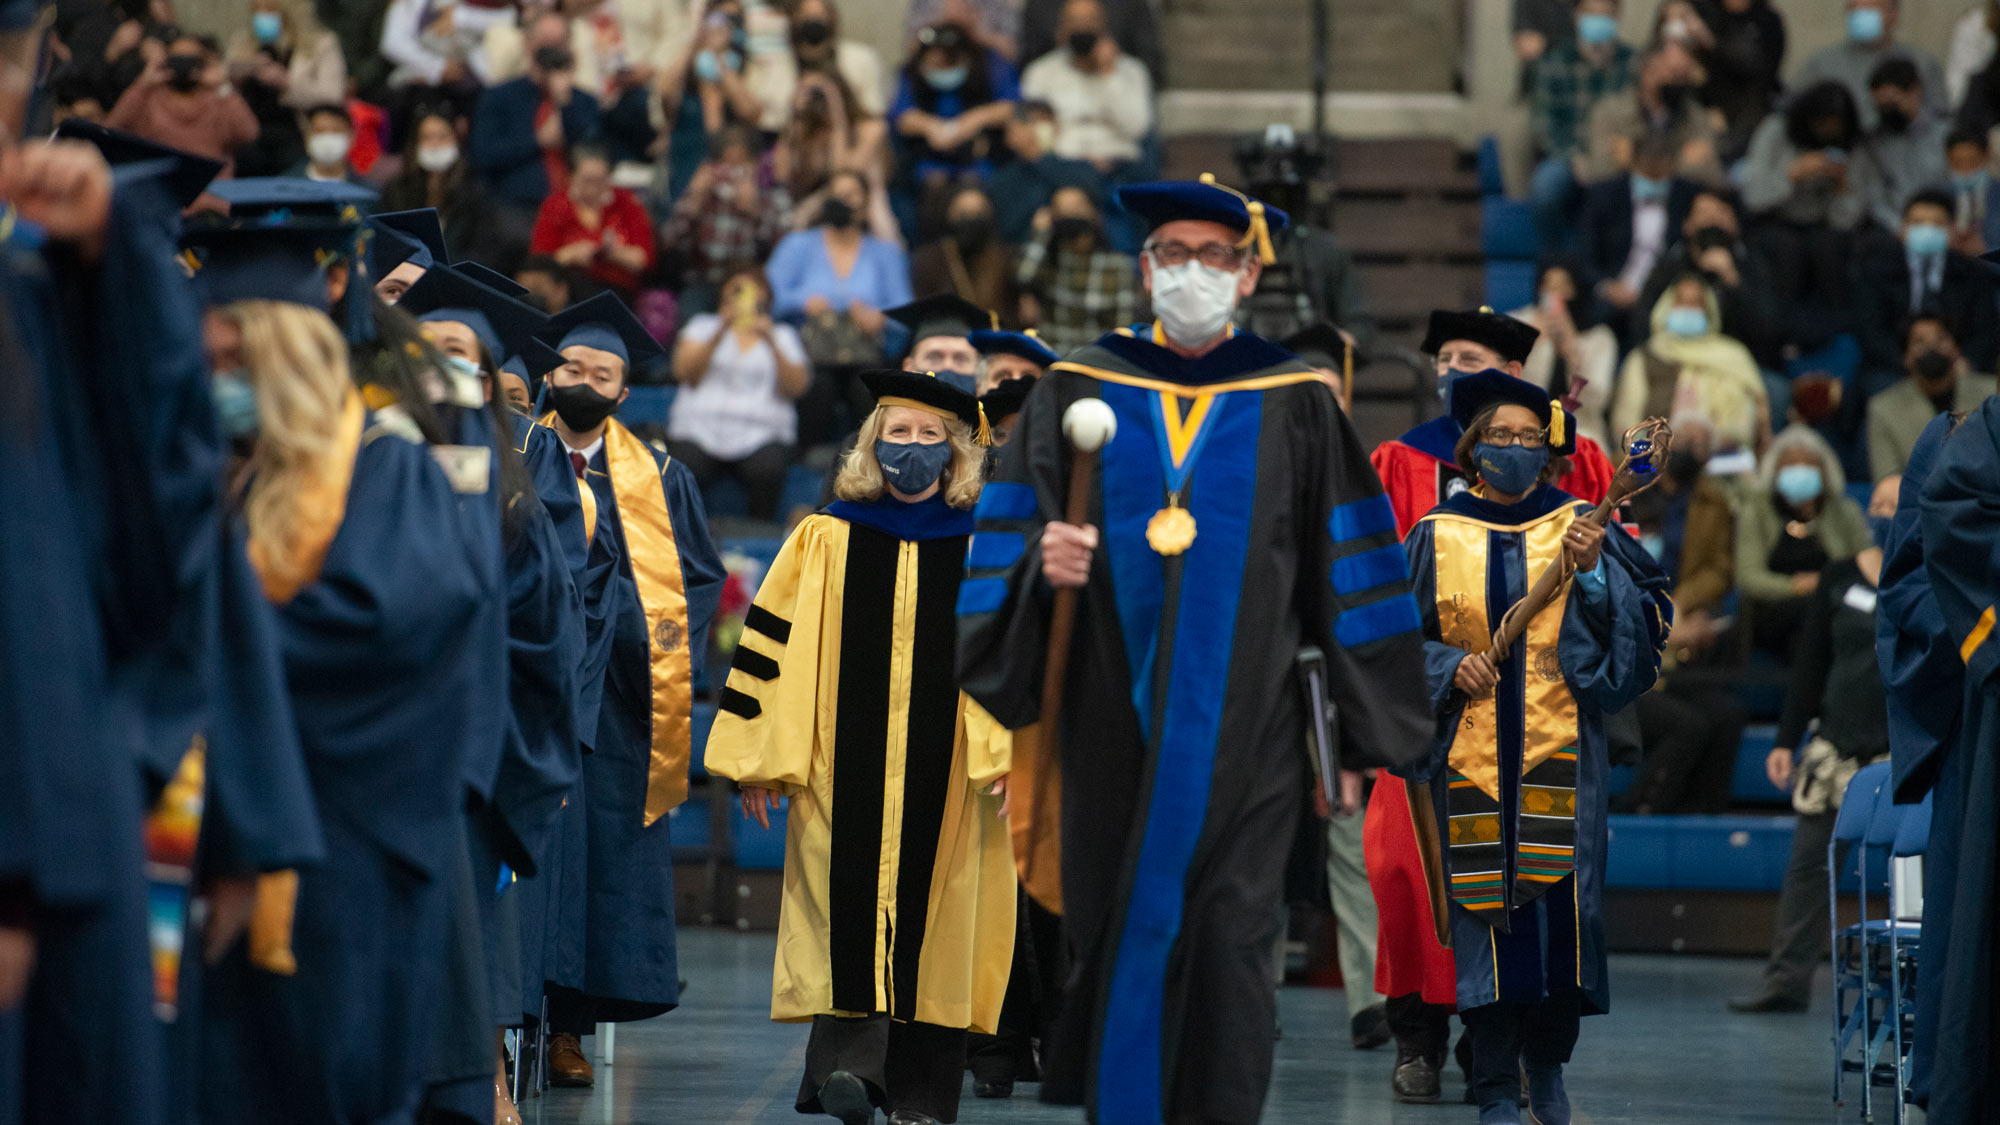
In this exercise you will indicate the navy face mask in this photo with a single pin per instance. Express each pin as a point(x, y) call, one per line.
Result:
point(914, 467)
point(1509, 469)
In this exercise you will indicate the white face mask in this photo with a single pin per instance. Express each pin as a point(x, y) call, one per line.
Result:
point(1194, 303)
point(437, 158)
point(329, 148)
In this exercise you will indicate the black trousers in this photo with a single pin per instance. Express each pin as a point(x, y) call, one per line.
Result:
point(1799, 944)
point(1421, 1028)
point(1034, 991)
point(762, 474)
point(1691, 729)
point(918, 1067)
point(1506, 1036)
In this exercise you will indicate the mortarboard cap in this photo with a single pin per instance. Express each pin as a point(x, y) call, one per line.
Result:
point(535, 360)
point(1470, 394)
point(20, 15)
point(422, 227)
point(1320, 344)
point(1513, 339)
point(1205, 200)
point(946, 314)
point(388, 250)
point(282, 263)
point(292, 196)
point(492, 279)
point(186, 177)
point(1027, 345)
point(603, 322)
point(503, 324)
point(925, 391)
point(1006, 399)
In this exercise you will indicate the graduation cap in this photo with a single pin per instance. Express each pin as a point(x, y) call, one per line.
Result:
point(946, 314)
point(1319, 344)
point(492, 279)
point(388, 250)
point(20, 15)
point(1205, 200)
point(1473, 393)
point(186, 177)
point(603, 322)
point(290, 197)
point(1511, 338)
point(1026, 345)
point(922, 390)
point(421, 226)
point(1006, 399)
point(535, 361)
point(503, 324)
point(280, 263)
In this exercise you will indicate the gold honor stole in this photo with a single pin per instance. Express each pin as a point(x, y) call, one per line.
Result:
point(656, 570)
point(1545, 851)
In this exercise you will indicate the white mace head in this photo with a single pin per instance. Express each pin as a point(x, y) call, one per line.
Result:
point(1089, 424)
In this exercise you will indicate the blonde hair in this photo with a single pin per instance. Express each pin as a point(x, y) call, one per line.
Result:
point(297, 361)
point(861, 480)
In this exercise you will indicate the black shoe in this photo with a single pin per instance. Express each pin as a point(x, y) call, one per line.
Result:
point(1471, 1099)
point(1370, 1028)
point(844, 1096)
point(911, 1117)
point(1769, 1000)
point(992, 1088)
point(1415, 1078)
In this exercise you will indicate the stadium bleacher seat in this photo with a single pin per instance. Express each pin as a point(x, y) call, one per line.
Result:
point(1751, 784)
point(1507, 230)
point(1723, 853)
point(1510, 284)
point(647, 405)
point(758, 849)
point(725, 498)
point(1491, 182)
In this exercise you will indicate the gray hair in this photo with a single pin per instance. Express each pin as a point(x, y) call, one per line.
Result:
point(1796, 437)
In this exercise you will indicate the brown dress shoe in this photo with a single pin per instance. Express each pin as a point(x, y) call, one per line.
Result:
point(567, 1066)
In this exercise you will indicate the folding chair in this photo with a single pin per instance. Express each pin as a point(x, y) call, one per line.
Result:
point(1879, 935)
point(1850, 974)
point(1913, 837)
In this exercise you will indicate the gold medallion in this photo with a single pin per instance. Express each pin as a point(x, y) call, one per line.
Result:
point(1171, 531)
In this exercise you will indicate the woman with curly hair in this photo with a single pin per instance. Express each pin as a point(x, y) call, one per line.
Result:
point(898, 922)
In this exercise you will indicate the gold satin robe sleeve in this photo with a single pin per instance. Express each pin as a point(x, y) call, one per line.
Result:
point(847, 941)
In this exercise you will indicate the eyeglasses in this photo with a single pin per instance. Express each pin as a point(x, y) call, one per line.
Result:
point(1526, 439)
point(1214, 255)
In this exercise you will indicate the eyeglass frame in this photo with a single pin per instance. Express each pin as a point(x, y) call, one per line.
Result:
point(1236, 255)
point(1526, 439)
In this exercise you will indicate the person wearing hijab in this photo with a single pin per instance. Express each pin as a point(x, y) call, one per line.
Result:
point(1518, 766)
point(1687, 364)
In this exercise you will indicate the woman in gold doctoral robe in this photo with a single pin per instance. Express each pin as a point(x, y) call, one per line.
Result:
point(897, 929)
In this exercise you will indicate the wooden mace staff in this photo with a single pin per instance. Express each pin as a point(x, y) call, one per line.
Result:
point(1089, 426)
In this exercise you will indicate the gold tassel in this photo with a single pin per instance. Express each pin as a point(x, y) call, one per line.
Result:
point(271, 923)
point(1557, 419)
point(985, 435)
point(378, 397)
point(1259, 233)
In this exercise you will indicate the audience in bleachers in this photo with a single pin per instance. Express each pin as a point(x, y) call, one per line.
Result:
point(522, 130)
point(1798, 519)
point(1871, 40)
point(952, 103)
point(1688, 364)
point(183, 99)
point(1575, 358)
point(1896, 278)
point(1625, 227)
point(1710, 243)
point(596, 227)
point(283, 64)
point(740, 373)
point(968, 257)
point(1743, 67)
point(1662, 102)
point(1939, 380)
point(1102, 97)
point(1076, 286)
point(1570, 80)
point(435, 173)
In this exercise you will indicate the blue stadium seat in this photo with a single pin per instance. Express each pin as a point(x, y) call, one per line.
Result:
point(1861, 492)
point(1839, 358)
point(647, 405)
point(1507, 230)
point(1510, 285)
point(725, 498)
point(1491, 182)
point(1750, 783)
point(687, 827)
point(801, 490)
point(757, 849)
point(703, 722)
point(1723, 853)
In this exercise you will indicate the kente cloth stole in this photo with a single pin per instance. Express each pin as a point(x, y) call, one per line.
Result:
point(1544, 849)
point(656, 571)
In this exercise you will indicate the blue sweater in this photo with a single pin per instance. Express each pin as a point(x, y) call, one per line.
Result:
point(800, 269)
point(503, 145)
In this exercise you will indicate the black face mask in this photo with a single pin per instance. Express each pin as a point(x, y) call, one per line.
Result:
point(972, 234)
point(554, 58)
point(581, 408)
point(1070, 228)
point(812, 33)
point(1932, 367)
point(1683, 466)
point(1713, 238)
point(1674, 93)
point(184, 72)
point(1893, 118)
point(1082, 43)
point(837, 213)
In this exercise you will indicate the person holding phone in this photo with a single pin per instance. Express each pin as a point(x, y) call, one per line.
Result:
point(740, 374)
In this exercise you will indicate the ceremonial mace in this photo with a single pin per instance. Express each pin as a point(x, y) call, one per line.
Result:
point(1088, 425)
point(1646, 447)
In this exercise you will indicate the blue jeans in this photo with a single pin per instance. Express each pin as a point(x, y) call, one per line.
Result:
point(1554, 191)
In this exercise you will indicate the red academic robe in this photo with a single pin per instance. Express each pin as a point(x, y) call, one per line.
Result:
point(1417, 473)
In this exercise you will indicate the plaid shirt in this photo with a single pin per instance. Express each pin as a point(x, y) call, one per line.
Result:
point(1083, 296)
point(715, 237)
point(1567, 86)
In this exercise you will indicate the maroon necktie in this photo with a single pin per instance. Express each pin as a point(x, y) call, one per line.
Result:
point(578, 463)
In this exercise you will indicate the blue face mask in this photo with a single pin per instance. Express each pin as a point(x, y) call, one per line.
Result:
point(1878, 529)
point(1864, 25)
point(1646, 189)
point(1686, 322)
point(1596, 29)
point(1509, 469)
point(1926, 240)
point(267, 26)
point(706, 68)
point(945, 81)
point(1975, 182)
point(1655, 544)
point(235, 402)
point(911, 468)
point(1800, 484)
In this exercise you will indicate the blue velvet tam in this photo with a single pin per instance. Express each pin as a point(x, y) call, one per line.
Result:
point(1026, 345)
point(1473, 393)
point(1206, 200)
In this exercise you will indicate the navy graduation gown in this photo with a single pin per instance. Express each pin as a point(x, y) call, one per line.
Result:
point(1961, 546)
point(606, 925)
point(1182, 733)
